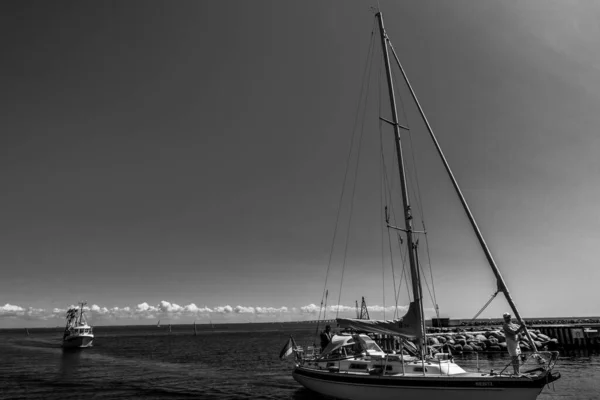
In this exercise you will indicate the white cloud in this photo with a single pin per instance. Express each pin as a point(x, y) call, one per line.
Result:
point(271, 310)
point(10, 309)
point(99, 310)
point(168, 310)
point(144, 307)
point(386, 309)
point(167, 307)
point(341, 308)
point(191, 308)
point(314, 309)
point(244, 310)
point(223, 309)
point(310, 309)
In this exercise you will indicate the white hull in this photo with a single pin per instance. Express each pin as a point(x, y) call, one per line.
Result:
point(366, 387)
point(78, 341)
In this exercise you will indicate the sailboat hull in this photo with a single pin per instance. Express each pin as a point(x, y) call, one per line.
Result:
point(351, 386)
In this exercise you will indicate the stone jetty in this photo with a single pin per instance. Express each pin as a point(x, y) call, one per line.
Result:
point(483, 339)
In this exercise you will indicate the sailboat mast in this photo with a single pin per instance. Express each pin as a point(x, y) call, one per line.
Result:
point(416, 284)
point(488, 254)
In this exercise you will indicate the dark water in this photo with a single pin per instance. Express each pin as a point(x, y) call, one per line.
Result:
point(228, 362)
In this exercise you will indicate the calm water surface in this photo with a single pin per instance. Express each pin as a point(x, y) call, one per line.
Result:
point(227, 362)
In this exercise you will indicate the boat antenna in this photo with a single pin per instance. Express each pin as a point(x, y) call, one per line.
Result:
point(488, 254)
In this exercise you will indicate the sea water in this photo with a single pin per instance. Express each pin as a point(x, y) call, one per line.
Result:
point(237, 361)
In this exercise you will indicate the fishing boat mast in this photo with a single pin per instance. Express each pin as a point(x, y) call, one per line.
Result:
point(408, 228)
point(81, 304)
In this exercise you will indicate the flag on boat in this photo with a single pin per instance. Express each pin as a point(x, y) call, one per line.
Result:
point(288, 349)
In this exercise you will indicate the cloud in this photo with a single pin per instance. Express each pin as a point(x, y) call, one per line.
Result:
point(167, 307)
point(271, 310)
point(10, 310)
point(314, 309)
point(97, 313)
point(341, 308)
point(100, 310)
point(310, 309)
point(386, 309)
point(244, 310)
point(223, 310)
point(145, 307)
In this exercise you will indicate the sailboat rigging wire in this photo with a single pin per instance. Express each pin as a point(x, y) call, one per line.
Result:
point(387, 216)
point(482, 242)
point(383, 208)
point(437, 309)
point(485, 306)
point(325, 309)
point(368, 62)
point(403, 256)
point(392, 215)
point(400, 285)
point(360, 136)
point(426, 284)
point(418, 198)
point(390, 189)
point(382, 200)
point(318, 320)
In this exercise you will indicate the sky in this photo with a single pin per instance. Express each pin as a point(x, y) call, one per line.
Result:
point(185, 161)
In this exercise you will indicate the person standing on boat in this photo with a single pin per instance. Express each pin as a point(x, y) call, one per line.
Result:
point(511, 331)
point(326, 336)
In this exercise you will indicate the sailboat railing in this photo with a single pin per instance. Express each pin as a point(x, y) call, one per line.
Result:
point(552, 357)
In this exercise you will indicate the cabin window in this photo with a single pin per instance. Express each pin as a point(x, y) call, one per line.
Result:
point(358, 366)
point(370, 344)
point(420, 369)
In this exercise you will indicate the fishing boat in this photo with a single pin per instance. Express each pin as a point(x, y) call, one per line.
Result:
point(352, 366)
point(77, 332)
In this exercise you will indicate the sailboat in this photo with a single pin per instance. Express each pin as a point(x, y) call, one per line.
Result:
point(353, 366)
point(158, 324)
point(77, 332)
